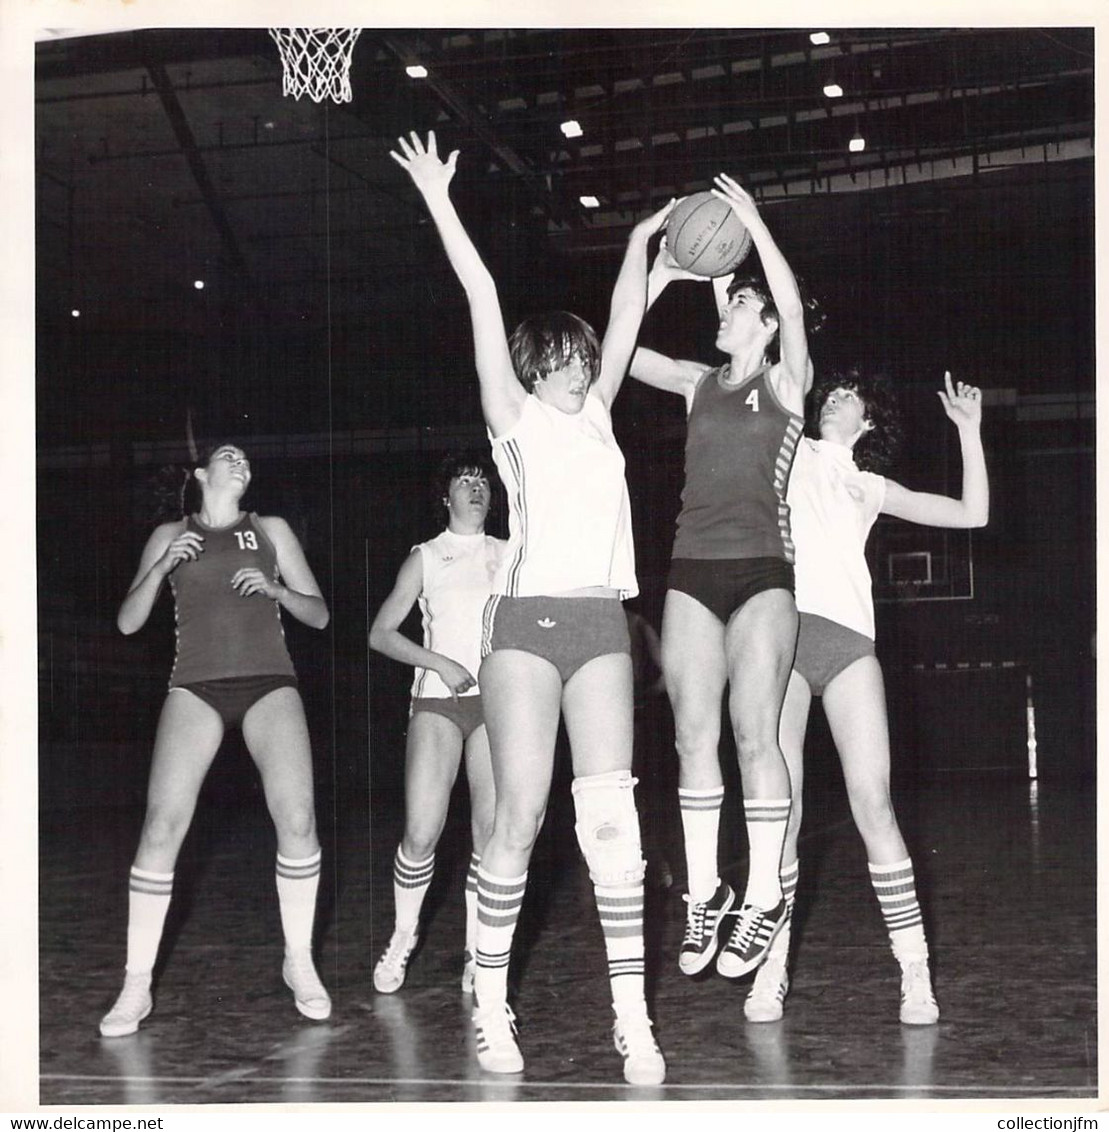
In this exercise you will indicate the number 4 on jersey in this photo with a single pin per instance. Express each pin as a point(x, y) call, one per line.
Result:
point(752, 399)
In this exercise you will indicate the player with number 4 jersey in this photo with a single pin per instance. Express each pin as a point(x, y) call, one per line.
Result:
point(729, 618)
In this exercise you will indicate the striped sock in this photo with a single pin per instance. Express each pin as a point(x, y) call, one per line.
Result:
point(895, 887)
point(411, 880)
point(499, 900)
point(471, 904)
point(780, 946)
point(148, 896)
point(297, 884)
point(700, 810)
point(766, 820)
point(620, 908)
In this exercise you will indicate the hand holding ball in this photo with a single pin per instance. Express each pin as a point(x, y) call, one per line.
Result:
point(705, 236)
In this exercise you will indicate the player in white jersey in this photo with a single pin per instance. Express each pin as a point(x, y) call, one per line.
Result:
point(555, 636)
point(451, 577)
point(834, 499)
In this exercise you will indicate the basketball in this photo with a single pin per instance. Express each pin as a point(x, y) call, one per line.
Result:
point(705, 236)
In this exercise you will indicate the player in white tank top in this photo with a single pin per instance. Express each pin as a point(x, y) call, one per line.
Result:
point(450, 577)
point(833, 505)
point(570, 542)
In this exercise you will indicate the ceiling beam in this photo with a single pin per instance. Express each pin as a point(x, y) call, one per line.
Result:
point(187, 141)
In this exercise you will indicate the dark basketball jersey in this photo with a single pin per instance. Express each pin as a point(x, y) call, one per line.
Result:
point(219, 632)
point(740, 442)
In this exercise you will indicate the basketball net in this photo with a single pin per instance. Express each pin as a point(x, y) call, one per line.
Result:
point(316, 61)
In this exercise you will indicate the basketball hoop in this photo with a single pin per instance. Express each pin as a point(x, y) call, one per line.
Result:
point(316, 61)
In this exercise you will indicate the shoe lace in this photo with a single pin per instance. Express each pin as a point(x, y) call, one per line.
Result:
point(917, 984)
point(695, 921)
point(398, 950)
point(747, 923)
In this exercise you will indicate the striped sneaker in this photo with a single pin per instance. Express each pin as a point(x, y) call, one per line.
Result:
point(751, 938)
point(495, 1034)
point(393, 965)
point(918, 1003)
point(643, 1061)
point(702, 929)
point(768, 991)
point(132, 1006)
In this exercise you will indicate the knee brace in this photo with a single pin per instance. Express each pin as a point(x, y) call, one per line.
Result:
point(608, 827)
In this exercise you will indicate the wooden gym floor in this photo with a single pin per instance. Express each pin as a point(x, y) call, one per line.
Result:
point(1006, 872)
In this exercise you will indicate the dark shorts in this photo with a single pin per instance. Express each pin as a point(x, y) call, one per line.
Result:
point(567, 631)
point(725, 585)
point(233, 696)
point(825, 648)
point(465, 712)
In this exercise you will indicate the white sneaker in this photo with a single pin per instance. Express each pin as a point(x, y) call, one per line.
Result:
point(299, 973)
point(768, 991)
point(469, 968)
point(495, 1032)
point(392, 966)
point(918, 1004)
point(131, 1007)
point(634, 1041)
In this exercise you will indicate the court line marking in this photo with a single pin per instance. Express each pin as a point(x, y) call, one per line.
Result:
point(482, 1082)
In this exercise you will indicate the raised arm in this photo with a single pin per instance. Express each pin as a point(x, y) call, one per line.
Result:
point(168, 546)
point(652, 368)
point(502, 395)
point(795, 367)
point(963, 405)
point(629, 301)
point(387, 639)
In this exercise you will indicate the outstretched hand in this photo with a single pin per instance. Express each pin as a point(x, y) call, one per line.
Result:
point(961, 402)
point(743, 204)
point(423, 164)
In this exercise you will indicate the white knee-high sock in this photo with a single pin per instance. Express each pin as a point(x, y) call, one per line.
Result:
point(620, 908)
point(298, 881)
point(411, 880)
point(766, 820)
point(895, 887)
point(499, 900)
point(700, 811)
point(148, 897)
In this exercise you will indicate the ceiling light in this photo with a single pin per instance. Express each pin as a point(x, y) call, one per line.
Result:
point(198, 284)
point(416, 71)
point(590, 202)
point(75, 313)
point(857, 144)
point(571, 129)
point(819, 38)
point(833, 90)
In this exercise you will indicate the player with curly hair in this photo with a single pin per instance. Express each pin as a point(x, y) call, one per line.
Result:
point(835, 495)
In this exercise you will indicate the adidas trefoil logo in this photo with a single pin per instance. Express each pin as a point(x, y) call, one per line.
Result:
point(546, 623)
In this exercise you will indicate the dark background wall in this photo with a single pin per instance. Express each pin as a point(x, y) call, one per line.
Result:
point(991, 279)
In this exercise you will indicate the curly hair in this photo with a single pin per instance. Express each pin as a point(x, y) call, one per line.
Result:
point(544, 343)
point(876, 450)
point(461, 463)
point(755, 282)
